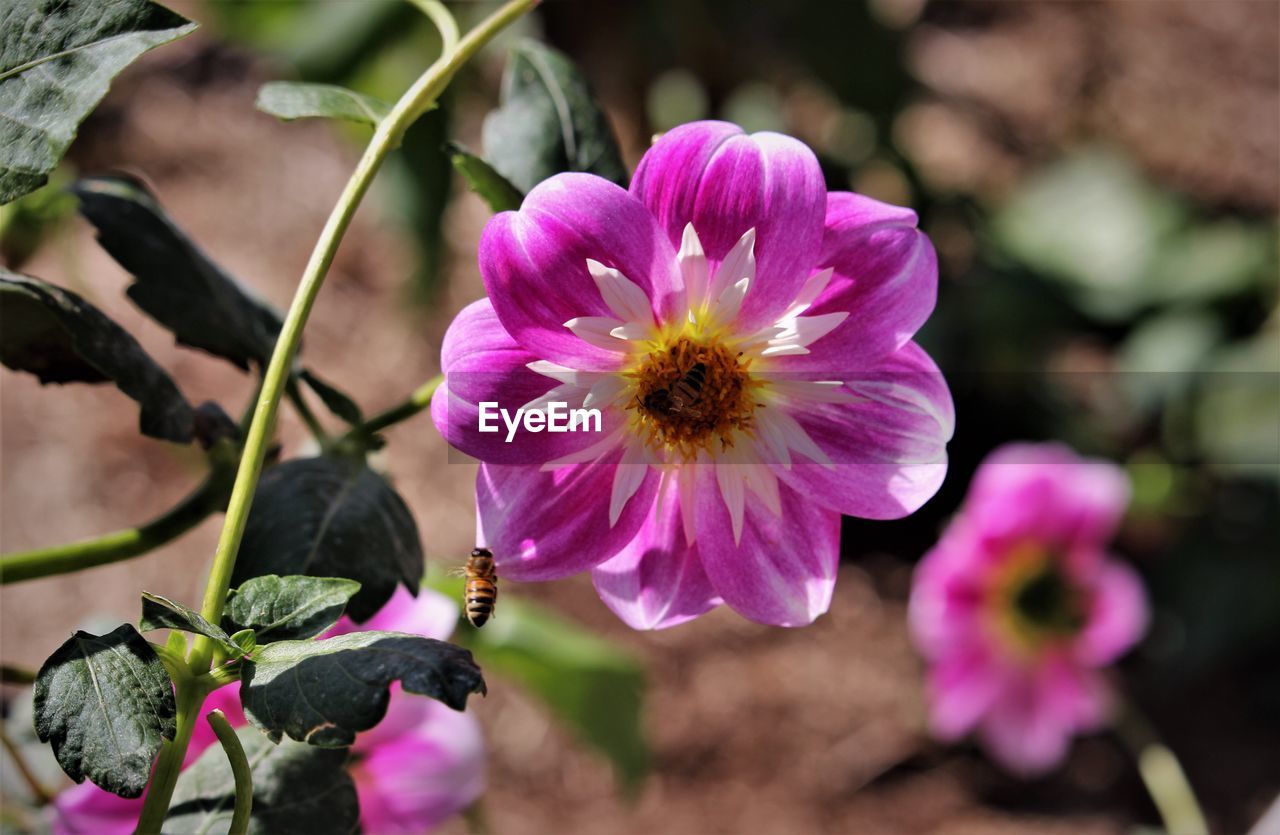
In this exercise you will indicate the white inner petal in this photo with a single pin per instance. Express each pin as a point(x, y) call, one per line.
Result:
point(623, 296)
point(693, 268)
point(597, 331)
point(627, 478)
point(738, 264)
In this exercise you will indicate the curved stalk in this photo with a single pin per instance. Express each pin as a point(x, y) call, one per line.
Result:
point(1162, 775)
point(207, 499)
point(415, 403)
point(386, 137)
point(239, 770)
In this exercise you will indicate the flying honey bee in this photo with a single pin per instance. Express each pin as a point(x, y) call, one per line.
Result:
point(683, 395)
point(481, 592)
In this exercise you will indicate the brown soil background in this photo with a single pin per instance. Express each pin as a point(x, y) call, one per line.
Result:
point(754, 730)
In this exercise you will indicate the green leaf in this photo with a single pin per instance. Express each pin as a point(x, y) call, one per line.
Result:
point(162, 613)
point(297, 790)
point(323, 692)
point(61, 338)
point(300, 100)
point(594, 687)
point(174, 282)
point(548, 122)
point(288, 608)
point(332, 517)
point(493, 188)
point(105, 703)
point(334, 400)
point(56, 61)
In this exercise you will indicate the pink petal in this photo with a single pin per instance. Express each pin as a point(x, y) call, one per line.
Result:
point(430, 614)
point(482, 363)
point(1117, 618)
point(534, 264)
point(1024, 733)
point(784, 570)
point(963, 687)
point(946, 607)
point(725, 183)
point(546, 525)
point(432, 768)
point(1047, 493)
point(886, 279)
point(888, 447)
point(85, 809)
point(656, 581)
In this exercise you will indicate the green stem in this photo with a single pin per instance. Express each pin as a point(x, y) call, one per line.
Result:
point(415, 403)
point(386, 137)
point(304, 411)
point(190, 697)
point(1162, 774)
point(203, 502)
point(239, 769)
point(10, 674)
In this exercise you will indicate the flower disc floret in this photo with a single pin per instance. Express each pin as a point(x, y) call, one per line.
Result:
point(694, 396)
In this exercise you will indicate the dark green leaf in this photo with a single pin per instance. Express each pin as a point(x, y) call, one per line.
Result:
point(594, 687)
point(323, 692)
point(301, 100)
point(61, 338)
point(493, 188)
point(105, 703)
point(56, 61)
point(548, 122)
point(297, 790)
point(332, 517)
point(174, 282)
point(288, 608)
point(162, 613)
point(334, 400)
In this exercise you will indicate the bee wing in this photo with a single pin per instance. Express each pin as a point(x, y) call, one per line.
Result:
point(457, 571)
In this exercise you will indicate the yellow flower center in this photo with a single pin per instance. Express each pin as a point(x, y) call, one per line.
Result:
point(691, 392)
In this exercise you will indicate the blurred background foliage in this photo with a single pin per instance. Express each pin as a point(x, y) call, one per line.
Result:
point(1101, 182)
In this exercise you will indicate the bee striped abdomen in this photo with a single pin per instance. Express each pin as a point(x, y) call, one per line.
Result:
point(481, 594)
point(686, 390)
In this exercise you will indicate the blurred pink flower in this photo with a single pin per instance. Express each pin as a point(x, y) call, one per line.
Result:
point(1019, 605)
point(747, 339)
point(420, 766)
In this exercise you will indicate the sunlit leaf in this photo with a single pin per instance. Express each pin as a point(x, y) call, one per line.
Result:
point(56, 61)
point(162, 613)
point(301, 100)
point(332, 517)
point(174, 282)
point(61, 338)
point(297, 790)
point(105, 703)
point(548, 122)
point(493, 188)
point(323, 692)
point(288, 608)
point(594, 687)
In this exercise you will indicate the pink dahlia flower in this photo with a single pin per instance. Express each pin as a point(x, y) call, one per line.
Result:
point(420, 766)
point(746, 337)
point(1019, 606)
